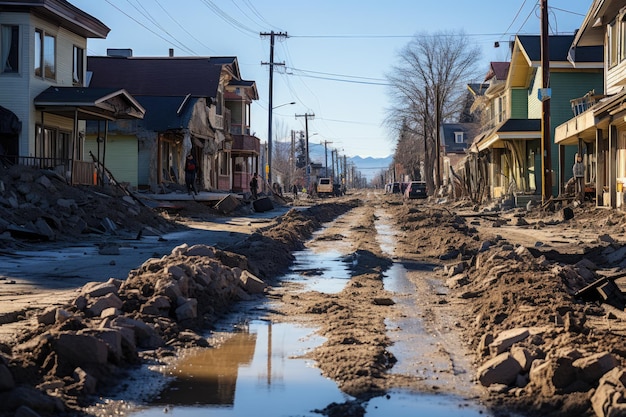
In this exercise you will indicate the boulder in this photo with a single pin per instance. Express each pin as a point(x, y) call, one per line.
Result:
point(251, 284)
point(503, 369)
point(591, 368)
point(78, 350)
point(187, 310)
point(508, 338)
point(102, 303)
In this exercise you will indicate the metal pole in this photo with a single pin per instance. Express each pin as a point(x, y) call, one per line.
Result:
point(546, 147)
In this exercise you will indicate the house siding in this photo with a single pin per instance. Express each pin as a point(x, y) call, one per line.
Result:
point(534, 105)
point(615, 78)
point(121, 156)
point(13, 86)
point(519, 103)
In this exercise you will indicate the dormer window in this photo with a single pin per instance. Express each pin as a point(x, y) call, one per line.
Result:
point(458, 137)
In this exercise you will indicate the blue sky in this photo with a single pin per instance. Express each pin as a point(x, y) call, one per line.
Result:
point(336, 55)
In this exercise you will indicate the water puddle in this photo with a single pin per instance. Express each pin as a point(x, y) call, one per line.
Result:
point(258, 371)
point(259, 368)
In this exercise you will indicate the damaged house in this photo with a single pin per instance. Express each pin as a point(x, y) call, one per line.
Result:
point(188, 102)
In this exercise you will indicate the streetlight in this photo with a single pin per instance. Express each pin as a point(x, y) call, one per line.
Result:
point(269, 142)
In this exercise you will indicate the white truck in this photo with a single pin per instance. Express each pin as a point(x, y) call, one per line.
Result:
point(324, 187)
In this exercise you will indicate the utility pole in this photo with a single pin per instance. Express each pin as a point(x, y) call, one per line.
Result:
point(438, 135)
point(272, 36)
point(326, 156)
point(306, 133)
point(546, 147)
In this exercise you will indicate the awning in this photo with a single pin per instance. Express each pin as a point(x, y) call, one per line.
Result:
point(511, 129)
point(89, 103)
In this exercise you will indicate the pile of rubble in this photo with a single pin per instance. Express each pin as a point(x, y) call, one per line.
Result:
point(39, 205)
point(72, 351)
point(547, 335)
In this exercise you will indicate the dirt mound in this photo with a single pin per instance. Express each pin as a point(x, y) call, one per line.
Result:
point(39, 205)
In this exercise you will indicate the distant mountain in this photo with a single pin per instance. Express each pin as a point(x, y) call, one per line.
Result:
point(368, 167)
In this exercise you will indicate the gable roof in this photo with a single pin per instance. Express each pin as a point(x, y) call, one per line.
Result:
point(592, 29)
point(160, 76)
point(559, 49)
point(500, 70)
point(89, 103)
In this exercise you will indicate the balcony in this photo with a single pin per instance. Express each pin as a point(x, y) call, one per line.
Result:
point(246, 144)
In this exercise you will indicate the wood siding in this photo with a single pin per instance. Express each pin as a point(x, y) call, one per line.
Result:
point(121, 156)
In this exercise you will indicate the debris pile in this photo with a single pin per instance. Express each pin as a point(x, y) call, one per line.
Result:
point(39, 205)
point(537, 343)
point(73, 351)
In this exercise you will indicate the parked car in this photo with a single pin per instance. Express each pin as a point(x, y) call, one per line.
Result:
point(392, 188)
point(415, 189)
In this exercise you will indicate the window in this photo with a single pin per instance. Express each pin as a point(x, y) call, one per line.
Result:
point(45, 55)
point(78, 60)
point(612, 46)
point(54, 145)
point(9, 48)
point(458, 137)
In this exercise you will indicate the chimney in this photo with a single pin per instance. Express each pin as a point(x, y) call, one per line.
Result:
point(171, 52)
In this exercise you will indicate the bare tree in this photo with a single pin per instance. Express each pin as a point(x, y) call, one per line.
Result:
point(428, 85)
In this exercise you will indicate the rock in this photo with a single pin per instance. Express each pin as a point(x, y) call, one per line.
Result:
point(251, 284)
point(503, 369)
point(78, 350)
point(98, 289)
point(609, 399)
point(85, 383)
point(553, 376)
point(102, 303)
point(187, 310)
point(592, 368)
point(508, 338)
point(158, 305)
point(606, 238)
point(142, 334)
point(201, 250)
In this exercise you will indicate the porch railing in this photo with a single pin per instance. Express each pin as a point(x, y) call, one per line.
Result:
point(76, 172)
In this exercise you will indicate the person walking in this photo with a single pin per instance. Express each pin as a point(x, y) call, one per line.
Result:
point(254, 185)
point(579, 175)
point(190, 174)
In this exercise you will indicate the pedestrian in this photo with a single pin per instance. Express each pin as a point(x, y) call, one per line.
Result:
point(190, 174)
point(579, 175)
point(254, 185)
point(294, 189)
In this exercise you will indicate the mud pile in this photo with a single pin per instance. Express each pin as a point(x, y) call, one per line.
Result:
point(542, 344)
point(70, 353)
point(39, 205)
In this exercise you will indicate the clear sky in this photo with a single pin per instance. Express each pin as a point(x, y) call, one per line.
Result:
point(336, 55)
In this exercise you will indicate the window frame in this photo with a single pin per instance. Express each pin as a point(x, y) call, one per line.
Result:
point(459, 137)
point(78, 66)
point(13, 55)
point(45, 41)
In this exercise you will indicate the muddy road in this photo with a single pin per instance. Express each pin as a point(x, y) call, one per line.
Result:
point(436, 298)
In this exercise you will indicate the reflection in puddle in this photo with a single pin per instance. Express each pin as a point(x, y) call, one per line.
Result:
point(259, 371)
point(324, 272)
point(256, 372)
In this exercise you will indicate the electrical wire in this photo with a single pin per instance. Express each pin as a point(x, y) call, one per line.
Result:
point(146, 27)
point(183, 27)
